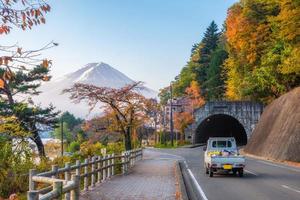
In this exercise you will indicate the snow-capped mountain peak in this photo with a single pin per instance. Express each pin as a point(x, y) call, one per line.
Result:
point(99, 74)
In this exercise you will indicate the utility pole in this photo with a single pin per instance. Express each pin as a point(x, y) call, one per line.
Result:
point(62, 135)
point(171, 115)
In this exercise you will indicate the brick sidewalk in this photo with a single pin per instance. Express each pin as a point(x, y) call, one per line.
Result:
point(151, 179)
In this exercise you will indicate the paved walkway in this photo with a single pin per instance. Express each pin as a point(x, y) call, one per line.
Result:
point(150, 179)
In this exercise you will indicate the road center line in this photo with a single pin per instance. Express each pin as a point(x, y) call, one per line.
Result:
point(196, 183)
point(250, 172)
point(274, 165)
point(290, 188)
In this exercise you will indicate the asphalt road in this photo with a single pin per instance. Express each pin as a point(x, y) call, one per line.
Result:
point(263, 180)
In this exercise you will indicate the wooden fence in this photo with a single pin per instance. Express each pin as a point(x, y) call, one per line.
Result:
point(68, 181)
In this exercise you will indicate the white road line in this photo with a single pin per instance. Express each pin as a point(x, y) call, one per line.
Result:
point(280, 166)
point(178, 157)
point(196, 183)
point(290, 188)
point(250, 172)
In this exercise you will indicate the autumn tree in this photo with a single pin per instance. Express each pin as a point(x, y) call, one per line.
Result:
point(153, 111)
point(22, 71)
point(164, 95)
point(181, 121)
point(194, 93)
point(125, 106)
point(263, 46)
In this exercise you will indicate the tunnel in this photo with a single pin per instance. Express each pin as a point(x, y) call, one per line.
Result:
point(221, 125)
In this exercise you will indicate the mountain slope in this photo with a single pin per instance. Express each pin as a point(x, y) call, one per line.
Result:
point(99, 74)
point(277, 134)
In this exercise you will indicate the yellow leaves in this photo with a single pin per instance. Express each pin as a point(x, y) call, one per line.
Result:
point(289, 20)
point(291, 64)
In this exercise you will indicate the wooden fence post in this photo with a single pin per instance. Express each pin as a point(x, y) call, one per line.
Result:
point(32, 184)
point(86, 178)
point(78, 167)
point(141, 153)
point(57, 186)
point(93, 179)
point(123, 162)
point(104, 168)
point(77, 173)
point(54, 170)
point(128, 161)
point(108, 166)
point(133, 156)
point(113, 165)
point(76, 192)
point(67, 178)
point(99, 169)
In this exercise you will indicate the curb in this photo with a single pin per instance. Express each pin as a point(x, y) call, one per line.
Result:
point(182, 186)
point(191, 189)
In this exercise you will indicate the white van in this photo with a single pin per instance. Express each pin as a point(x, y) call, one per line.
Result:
point(221, 155)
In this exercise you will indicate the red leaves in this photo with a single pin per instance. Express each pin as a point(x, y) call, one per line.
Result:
point(4, 29)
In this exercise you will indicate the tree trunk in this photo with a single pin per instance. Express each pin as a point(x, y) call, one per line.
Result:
point(127, 140)
point(40, 146)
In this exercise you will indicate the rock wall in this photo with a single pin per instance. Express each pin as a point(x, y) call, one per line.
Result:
point(277, 134)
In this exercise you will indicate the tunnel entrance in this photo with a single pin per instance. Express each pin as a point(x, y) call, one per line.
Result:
point(221, 125)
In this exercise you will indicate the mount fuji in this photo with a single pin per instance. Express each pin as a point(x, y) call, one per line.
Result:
point(99, 74)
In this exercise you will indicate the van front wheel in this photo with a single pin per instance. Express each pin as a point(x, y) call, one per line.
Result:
point(211, 173)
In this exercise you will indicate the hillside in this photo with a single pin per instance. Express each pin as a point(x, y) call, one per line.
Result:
point(277, 135)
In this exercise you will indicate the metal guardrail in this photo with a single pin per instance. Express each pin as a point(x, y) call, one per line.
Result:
point(95, 170)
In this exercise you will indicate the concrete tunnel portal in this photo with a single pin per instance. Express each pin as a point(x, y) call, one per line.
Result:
point(221, 125)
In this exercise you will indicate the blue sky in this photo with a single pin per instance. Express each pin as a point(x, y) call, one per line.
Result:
point(148, 40)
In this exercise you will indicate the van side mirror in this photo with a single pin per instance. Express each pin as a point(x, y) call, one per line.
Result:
point(204, 148)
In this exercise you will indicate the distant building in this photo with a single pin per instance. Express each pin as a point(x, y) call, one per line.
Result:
point(181, 104)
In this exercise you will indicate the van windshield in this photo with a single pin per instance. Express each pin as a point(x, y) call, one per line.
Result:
point(221, 144)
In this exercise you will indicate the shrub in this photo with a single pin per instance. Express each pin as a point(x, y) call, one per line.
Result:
point(15, 162)
point(91, 149)
point(116, 148)
point(74, 146)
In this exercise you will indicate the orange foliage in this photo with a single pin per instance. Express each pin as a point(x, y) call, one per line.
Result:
point(193, 91)
point(182, 120)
